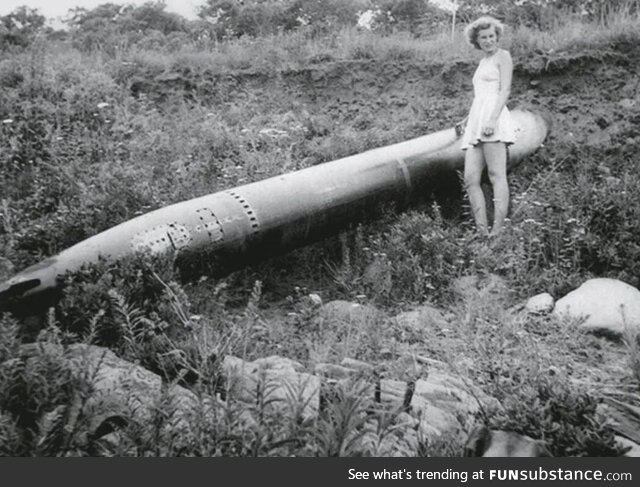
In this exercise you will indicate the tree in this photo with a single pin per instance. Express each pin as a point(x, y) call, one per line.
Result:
point(111, 24)
point(21, 26)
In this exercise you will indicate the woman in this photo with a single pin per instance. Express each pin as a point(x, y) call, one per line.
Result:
point(488, 129)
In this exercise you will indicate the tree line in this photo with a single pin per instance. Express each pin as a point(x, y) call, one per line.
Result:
point(150, 24)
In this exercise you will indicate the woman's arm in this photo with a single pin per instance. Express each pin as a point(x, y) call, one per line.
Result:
point(505, 65)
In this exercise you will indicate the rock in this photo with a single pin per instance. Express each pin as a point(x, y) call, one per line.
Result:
point(622, 416)
point(540, 304)
point(275, 362)
point(442, 399)
point(606, 305)
point(439, 401)
point(119, 389)
point(421, 319)
point(348, 368)
point(612, 180)
point(627, 103)
point(277, 380)
point(315, 300)
point(347, 312)
point(333, 371)
point(634, 447)
point(484, 442)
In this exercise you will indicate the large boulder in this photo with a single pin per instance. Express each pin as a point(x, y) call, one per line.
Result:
point(117, 388)
point(121, 389)
point(607, 306)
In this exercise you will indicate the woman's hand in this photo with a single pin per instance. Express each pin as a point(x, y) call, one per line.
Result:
point(489, 128)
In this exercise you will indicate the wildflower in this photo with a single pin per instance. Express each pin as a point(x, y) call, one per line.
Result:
point(367, 18)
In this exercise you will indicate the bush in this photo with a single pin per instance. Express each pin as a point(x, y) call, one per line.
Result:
point(38, 393)
point(136, 308)
point(548, 407)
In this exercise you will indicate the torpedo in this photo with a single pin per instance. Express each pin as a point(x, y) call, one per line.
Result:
point(247, 222)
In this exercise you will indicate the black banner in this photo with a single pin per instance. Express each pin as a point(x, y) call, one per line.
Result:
point(323, 471)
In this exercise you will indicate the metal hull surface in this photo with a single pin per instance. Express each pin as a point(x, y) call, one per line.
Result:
point(278, 213)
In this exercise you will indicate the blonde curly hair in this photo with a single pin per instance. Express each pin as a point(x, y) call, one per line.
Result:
point(485, 22)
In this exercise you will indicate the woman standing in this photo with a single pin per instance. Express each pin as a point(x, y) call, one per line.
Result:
point(488, 129)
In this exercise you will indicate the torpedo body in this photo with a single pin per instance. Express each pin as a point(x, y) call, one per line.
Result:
point(281, 212)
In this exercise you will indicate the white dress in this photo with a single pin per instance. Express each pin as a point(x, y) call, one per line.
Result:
point(486, 87)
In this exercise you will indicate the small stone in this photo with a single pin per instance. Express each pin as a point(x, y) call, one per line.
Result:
point(612, 180)
point(627, 103)
point(540, 304)
point(315, 300)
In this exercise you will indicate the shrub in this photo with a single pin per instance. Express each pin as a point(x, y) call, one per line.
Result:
point(548, 407)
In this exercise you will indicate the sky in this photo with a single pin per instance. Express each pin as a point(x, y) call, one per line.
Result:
point(55, 9)
point(58, 8)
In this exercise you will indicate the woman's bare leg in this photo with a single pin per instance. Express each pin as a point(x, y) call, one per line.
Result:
point(495, 155)
point(474, 162)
